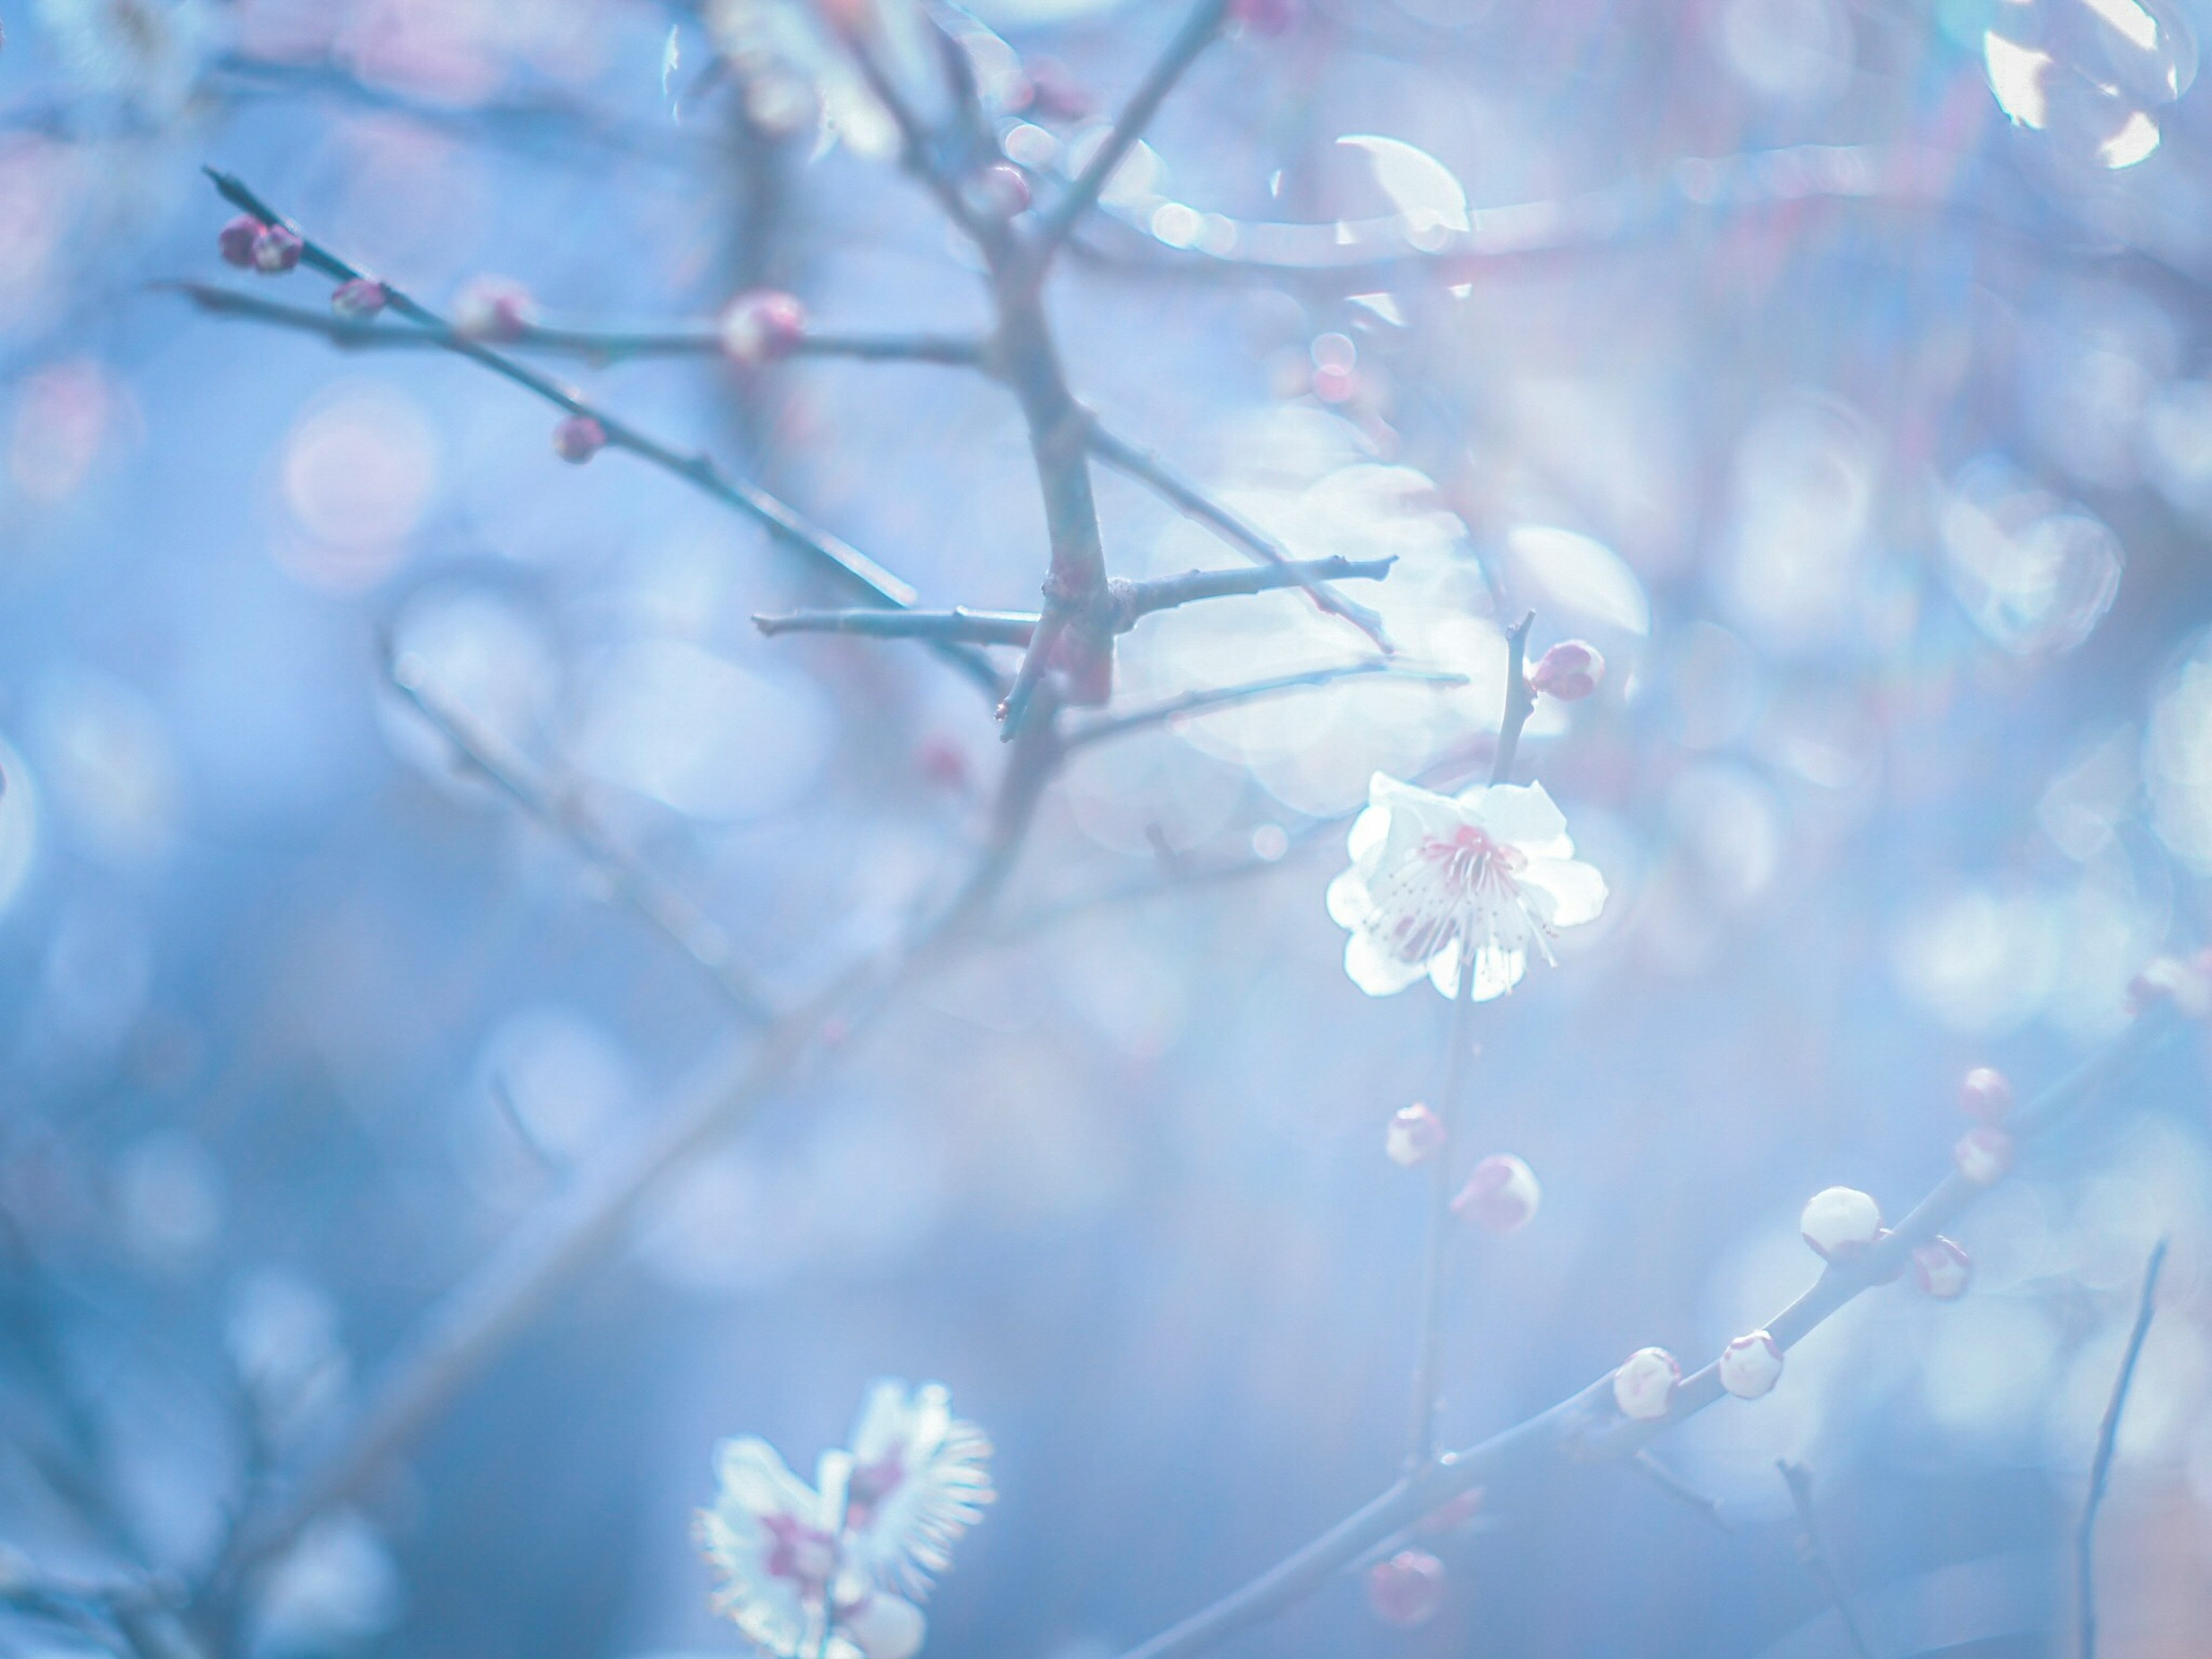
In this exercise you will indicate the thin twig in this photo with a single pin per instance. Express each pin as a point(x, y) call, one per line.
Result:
point(1587, 1425)
point(971, 627)
point(1228, 696)
point(2100, 1466)
point(1170, 486)
point(1814, 1553)
point(1140, 597)
point(1519, 700)
point(1428, 1368)
point(1681, 1490)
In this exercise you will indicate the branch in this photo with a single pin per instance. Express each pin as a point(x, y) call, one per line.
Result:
point(674, 916)
point(1149, 470)
point(1428, 1368)
point(1197, 33)
point(1681, 1490)
point(1799, 1479)
point(970, 627)
point(1198, 702)
point(1519, 700)
point(2100, 1466)
point(1140, 598)
point(782, 521)
point(1587, 1425)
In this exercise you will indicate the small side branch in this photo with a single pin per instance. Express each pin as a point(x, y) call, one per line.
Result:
point(1230, 697)
point(1814, 1553)
point(2100, 1466)
point(1519, 700)
point(1428, 1367)
point(968, 627)
point(1135, 599)
point(1681, 1490)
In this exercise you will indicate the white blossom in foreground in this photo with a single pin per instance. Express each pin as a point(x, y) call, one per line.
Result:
point(1643, 1386)
point(1840, 1222)
point(1941, 1268)
point(1438, 880)
point(1750, 1365)
point(857, 1548)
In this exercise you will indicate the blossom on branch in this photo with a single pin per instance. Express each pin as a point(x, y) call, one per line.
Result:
point(1437, 879)
point(919, 1479)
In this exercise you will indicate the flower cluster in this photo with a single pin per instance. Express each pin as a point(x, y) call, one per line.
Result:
point(837, 1568)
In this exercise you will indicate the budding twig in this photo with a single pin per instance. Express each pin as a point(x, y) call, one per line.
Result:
point(1519, 700)
point(2100, 1466)
point(1814, 1553)
point(970, 627)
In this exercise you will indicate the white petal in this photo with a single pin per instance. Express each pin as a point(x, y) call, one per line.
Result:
point(1497, 970)
point(1565, 893)
point(1416, 816)
point(1374, 969)
point(1368, 831)
point(1350, 904)
point(1523, 815)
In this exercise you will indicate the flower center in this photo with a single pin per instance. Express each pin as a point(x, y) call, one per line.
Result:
point(802, 1553)
point(1470, 859)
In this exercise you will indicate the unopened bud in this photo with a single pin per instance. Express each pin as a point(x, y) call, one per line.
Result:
point(493, 308)
point(762, 326)
point(1840, 1222)
point(1502, 1194)
point(578, 438)
point(2186, 984)
point(1569, 670)
point(1408, 1588)
point(235, 241)
point(1985, 1093)
point(1750, 1365)
point(1000, 191)
point(276, 250)
point(1415, 1135)
point(1055, 94)
point(1941, 1268)
point(1643, 1386)
point(884, 1627)
point(1983, 1154)
point(363, 297)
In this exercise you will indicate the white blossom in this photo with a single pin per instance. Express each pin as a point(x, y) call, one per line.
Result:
point(1643, 1386)
point(776, 1542)
point(1839, 1221)
point(919, 1479)
point(1435, 879)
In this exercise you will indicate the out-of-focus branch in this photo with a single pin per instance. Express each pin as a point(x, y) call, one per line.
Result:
point(782, 521)
point(1197, 33)
point(1155, 475)
point(1681, 1490)
point(701, 940)
point(2101, 1465)
point(1587, 1425)
point(1814, 1553)
point(1436, 1272)
point(970, 627)
point(1230, 697)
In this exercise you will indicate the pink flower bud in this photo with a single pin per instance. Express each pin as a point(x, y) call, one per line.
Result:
point(1569, 670)
point(578, 438)
point(1502, 1194)
point(1055, 94)
point(1985, 1093)
point(1839, 1222)
point(363, 297)
point(235, 241)
point(762, 326)
point(1414, 1136)
point(1750, 1365)
point(1000, 191)
point(1643, 1386)
point(1408, 1588)
point(1984, 1155)
point(2170, 979)
point(493, 308)
point(275, 251)
point(1943, 1268)
point(1456, 1513)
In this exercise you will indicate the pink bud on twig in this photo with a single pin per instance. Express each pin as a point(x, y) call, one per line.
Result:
point(763, 326)
point(493, 308)
point(578, 438)
point(1840, 1222)
point(363, 297)
point(1415, 1135)
point(1750, 1365)
point(1408, 1588)
point(1983, 1154)
point(235, 241)
point(1643, 1386)
point(2186, 984)
point(1569, 670)
point(1502, 1194)
point(1941, 1268)
point(1000, 191)
point(1985, 1093)
point(276, 250)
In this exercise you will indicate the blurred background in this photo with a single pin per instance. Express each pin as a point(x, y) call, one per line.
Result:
point(1838, 367)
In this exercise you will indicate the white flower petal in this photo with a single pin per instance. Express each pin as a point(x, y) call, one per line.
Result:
point(1350, 904)
point(1497, 970)
point(1523, 815)
point(1374, 969)
point(1566, 892)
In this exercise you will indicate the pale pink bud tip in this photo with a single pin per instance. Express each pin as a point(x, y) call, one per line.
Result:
point(1985, 1093)
point(493, 308)
point(1839, 1222)
point(1569, 670)
point(275, 251)
point(763, 326)
point(1943, 1268)
point(2187, 985)
point(363, 297)
point(1750, 1365)
point(1502, 1194)
point(1415, 1135)
point(1984, 1155)
point(1643, 1386)
point(999, 191)
point(578, 438)
point(235, 241)
point(1408, 1588)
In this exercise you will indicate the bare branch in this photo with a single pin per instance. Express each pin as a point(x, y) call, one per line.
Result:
point(1199, 702)
point(1681, 1490)
point(1519, 700)
point(2100, 1466)
point(1142, 597)
point(1814, 1553)
point(1155, 474)
point(970, 627)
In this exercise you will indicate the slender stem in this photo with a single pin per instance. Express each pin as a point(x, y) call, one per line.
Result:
point(974, 627)
point(1814, 1553)
point(1519, 700)
point(1428, 1371)
point(2100, 1466)
point(1679, 1489)
point(1135, 599)
point(1194, 702)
